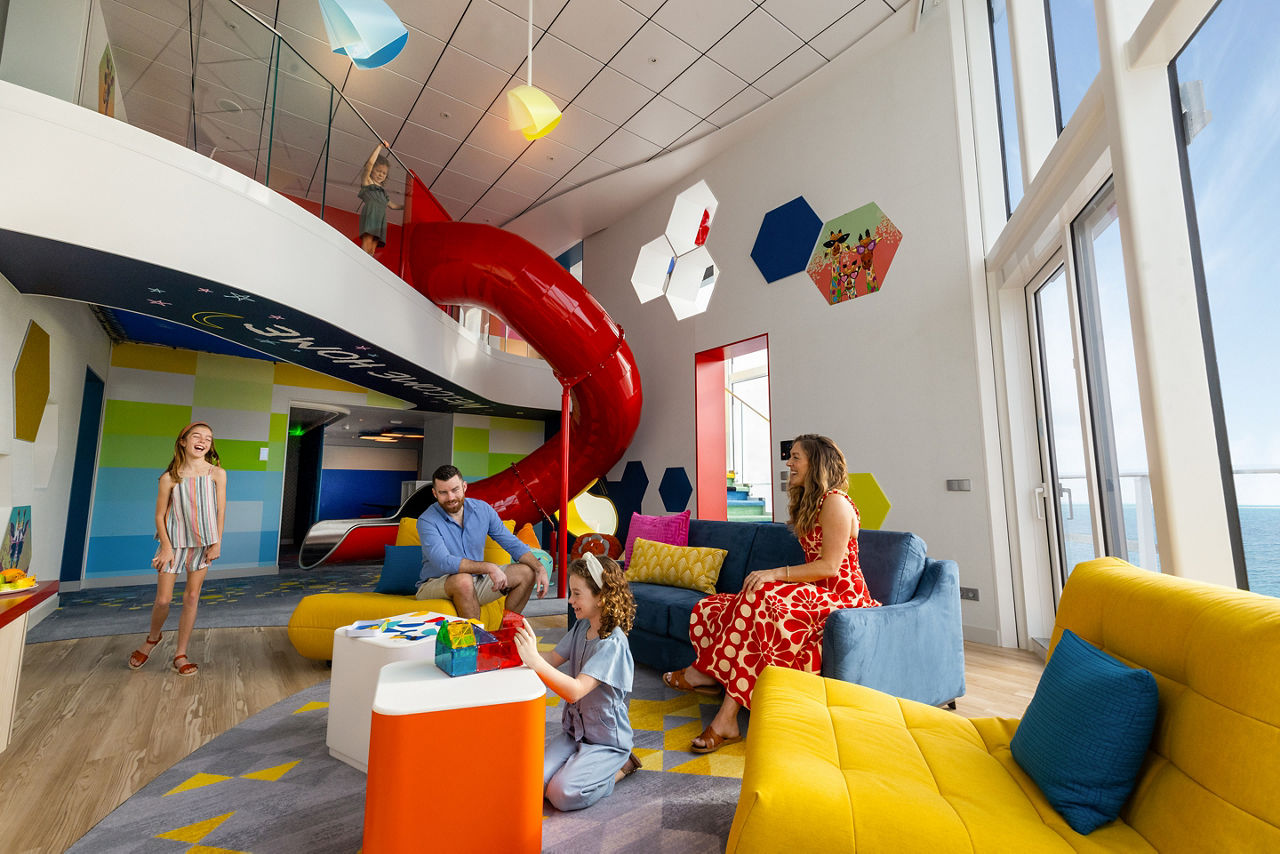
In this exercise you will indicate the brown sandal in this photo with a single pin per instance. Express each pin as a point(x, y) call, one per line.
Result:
point(675, 679)
point(137, 658)
point(184, 669)
point(631, 766)
point(712, 741)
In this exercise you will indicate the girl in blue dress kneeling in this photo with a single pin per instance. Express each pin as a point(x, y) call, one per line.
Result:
point(594, 751)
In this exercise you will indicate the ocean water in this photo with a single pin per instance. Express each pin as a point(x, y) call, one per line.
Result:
point(1259, 528)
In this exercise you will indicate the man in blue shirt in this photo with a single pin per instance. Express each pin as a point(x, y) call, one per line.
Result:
point(452, 532)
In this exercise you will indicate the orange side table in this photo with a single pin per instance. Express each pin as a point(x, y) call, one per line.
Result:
point(456, 761)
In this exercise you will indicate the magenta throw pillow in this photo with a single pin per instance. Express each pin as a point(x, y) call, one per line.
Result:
point(672, 530)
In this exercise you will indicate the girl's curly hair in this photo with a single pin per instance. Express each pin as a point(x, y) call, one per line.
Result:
point(617, 605)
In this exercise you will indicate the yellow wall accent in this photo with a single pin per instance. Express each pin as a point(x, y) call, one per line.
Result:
point(296, 375)
point(873, 504)
point(149, 357)
point(31, 383)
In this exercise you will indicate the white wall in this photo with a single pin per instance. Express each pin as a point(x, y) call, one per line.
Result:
point(892, 376)
point(76, 341)
point(44, 46)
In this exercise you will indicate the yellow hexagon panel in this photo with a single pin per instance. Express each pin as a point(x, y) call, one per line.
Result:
point(873, 504)
point(31, 383)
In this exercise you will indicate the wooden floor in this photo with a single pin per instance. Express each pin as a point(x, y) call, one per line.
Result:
point(90, 732)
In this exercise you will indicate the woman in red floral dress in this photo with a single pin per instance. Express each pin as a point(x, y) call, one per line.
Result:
point(779, 616)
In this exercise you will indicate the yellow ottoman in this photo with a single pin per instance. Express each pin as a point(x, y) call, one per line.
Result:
point(317, 616)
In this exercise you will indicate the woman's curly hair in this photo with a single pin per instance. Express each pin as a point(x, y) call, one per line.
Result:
point(827, 471)
point(617, 605)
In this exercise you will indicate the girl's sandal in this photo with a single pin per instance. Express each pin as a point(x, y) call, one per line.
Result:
point(184, 669)
point(631, 766)
point(137, 658)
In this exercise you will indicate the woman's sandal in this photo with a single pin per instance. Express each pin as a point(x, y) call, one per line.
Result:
point(675, 679)
point(184, 669)
point(712, 741)
point(631, 766)
point(137, 658)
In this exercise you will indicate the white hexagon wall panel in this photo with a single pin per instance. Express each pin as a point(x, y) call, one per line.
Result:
point(678, 263)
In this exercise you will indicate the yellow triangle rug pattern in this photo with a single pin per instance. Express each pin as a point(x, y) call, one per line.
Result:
point(195, 781)
point(271, 774)
point(195, 832)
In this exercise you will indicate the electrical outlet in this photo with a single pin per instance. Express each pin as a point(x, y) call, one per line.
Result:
point(959, 484)
point(970, 593)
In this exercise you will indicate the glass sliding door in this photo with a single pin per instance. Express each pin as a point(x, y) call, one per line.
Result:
point(1231, 132)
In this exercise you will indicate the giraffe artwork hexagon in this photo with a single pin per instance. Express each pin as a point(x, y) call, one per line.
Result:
point(31, 383)
point(853, 254)
point(873, 505)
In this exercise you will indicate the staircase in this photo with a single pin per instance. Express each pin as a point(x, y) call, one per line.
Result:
point(743, 508)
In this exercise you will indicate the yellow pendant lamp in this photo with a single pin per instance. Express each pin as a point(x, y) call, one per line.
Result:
point(530, 110)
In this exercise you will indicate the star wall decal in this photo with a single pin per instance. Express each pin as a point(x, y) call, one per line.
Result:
point(155, 290)
point(205, 291)
point(239, 297)
point(159, 302)
point(276, 317)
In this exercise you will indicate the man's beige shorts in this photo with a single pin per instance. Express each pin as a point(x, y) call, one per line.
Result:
point(433, 588)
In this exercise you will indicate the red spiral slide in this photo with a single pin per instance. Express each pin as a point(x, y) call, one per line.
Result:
point(472, 264)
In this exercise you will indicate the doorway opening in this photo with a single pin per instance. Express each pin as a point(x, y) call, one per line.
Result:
point(734, 440)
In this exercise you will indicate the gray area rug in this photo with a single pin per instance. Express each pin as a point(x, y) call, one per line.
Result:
point(269, 785)
point(260, 600)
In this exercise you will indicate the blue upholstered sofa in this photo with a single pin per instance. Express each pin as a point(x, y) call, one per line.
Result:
point(911, 647)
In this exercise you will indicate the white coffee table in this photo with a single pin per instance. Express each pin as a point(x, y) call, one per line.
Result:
point(356, 664)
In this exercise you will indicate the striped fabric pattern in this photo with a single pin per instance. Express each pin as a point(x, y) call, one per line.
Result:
point(193, 513)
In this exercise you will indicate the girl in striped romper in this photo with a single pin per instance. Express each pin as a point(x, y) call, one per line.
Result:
point(190, 510)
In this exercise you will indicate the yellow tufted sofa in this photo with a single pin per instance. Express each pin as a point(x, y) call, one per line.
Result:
point(833, 766)
point(314, 620)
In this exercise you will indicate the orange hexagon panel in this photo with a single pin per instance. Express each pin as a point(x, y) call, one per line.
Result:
point(873, 504)
point(853, 254)
point(31, 383)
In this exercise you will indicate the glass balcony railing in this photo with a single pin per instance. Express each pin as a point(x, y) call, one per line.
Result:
point(239, 93)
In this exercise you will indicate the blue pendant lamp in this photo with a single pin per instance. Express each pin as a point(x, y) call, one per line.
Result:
point(365, 30)
point(530, 110)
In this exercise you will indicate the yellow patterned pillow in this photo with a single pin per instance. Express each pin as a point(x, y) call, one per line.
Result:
point(691, 567)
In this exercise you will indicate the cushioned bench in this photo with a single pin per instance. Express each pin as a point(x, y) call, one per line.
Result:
point(847, 768)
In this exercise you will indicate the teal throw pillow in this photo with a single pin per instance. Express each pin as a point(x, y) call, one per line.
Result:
point(401, 566)
point(1086, 732)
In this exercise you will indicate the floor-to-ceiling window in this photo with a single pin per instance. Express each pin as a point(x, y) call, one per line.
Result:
point(1073, 43)
point(1228, 82)
point(999, 17)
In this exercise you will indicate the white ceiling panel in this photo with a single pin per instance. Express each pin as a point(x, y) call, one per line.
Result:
point(477, 163)
point(447, 115)
point(544, 11)
point(225, 25)
point(173, 11)
point(613, 97)
point(550, 156)
point(588, 170)
point(559, 69)
point(744, 102)
point(661, 122)
point(332, 66)
point(756, 45)
point(146, 36)
point(523, 181)
point(493, 135)
point(896, 4)
point(704, 87)
point(426, 172)
point(705, 22)
point(385, 125)
point(646, 7)
point(418, 141)
point(624, 148)
point(348, 148)
point(864, 18)
point(485, 216)
point(597, 27)
point(580, 130)
point(504, 201)
point(491, 33)
point(454, 207)
point(301, 15)
point(302, 98)
point(698, 131)
point(790, 71)
point(654, 57)
point(806, 18)
point(455, 185)
point(383, 89)
point(420, 54)
point(153, 77)
point(434, 17)
point(466, 78)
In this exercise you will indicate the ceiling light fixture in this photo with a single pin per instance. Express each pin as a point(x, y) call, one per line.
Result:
point(530, 110)
point(365, 30)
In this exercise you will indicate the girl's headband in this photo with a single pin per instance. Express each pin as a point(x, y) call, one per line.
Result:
point(594, 567)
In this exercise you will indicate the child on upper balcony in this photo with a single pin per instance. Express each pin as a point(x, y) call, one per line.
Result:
point(583, 763)
point(373, 211)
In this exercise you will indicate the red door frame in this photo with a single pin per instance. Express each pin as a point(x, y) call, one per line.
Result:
point(709, 415)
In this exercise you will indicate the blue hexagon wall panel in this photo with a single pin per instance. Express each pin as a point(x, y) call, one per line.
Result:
point(627, 494)
point(675, 489)
point(785, 239)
